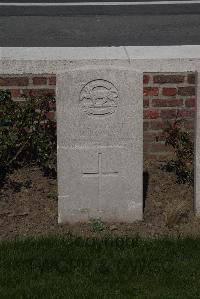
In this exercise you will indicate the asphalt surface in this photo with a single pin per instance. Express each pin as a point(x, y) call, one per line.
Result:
point(82, 1)
point(48, 27)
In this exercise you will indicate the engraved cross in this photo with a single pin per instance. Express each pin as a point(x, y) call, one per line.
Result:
point(99, 174)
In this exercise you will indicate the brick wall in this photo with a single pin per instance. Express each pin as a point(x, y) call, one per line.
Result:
point(34, 85)
point(165, 96)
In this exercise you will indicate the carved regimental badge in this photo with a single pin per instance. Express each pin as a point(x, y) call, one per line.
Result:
point(99, 97)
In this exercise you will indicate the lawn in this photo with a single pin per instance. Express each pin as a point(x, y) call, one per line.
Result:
point(74, 267)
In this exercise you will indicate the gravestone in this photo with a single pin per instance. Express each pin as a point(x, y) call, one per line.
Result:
point(100, 144)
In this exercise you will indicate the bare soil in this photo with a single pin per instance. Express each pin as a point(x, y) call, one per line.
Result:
point(28, 207)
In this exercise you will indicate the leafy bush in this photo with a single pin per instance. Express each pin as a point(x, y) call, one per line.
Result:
point(97, 225)
point(26, 133)
point(183, 145)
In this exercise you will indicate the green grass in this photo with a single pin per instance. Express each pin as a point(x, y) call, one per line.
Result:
point(71, 267)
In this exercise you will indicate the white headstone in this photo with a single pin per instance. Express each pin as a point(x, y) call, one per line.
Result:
point(100, 144)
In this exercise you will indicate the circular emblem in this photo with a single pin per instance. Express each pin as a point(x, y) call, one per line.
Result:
point(99, 97)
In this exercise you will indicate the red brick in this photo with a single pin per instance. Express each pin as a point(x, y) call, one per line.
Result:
point(151, 91)
point(15, 93)
point(161, 136)
point(187, 91)
point(52, 81)
point(38, 92)
point(191, 78)
point(146, 103)
point(168, 79)
point(146, 79)
point(149, 137)
point(190, 102)
point(150, 157)
point(186, 113)
point(145, 125)
point(146, 147)
point(149, 114)
point(167, 102)
point(160, 147)
point(156, 125)
point(169, 91)
point(39, 80)
point(168, 113)
point(14, 81)
point(189, 125)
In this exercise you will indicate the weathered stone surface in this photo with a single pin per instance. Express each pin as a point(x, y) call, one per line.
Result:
point(100, 141)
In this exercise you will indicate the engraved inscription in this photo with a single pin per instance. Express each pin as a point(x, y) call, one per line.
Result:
point(99, 173)
point(99, 97)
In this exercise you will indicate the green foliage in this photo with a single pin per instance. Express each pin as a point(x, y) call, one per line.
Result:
point(183, 145)
point(26, 133)
point(97, 225)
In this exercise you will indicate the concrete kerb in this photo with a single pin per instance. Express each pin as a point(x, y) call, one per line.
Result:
point(53, 60)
